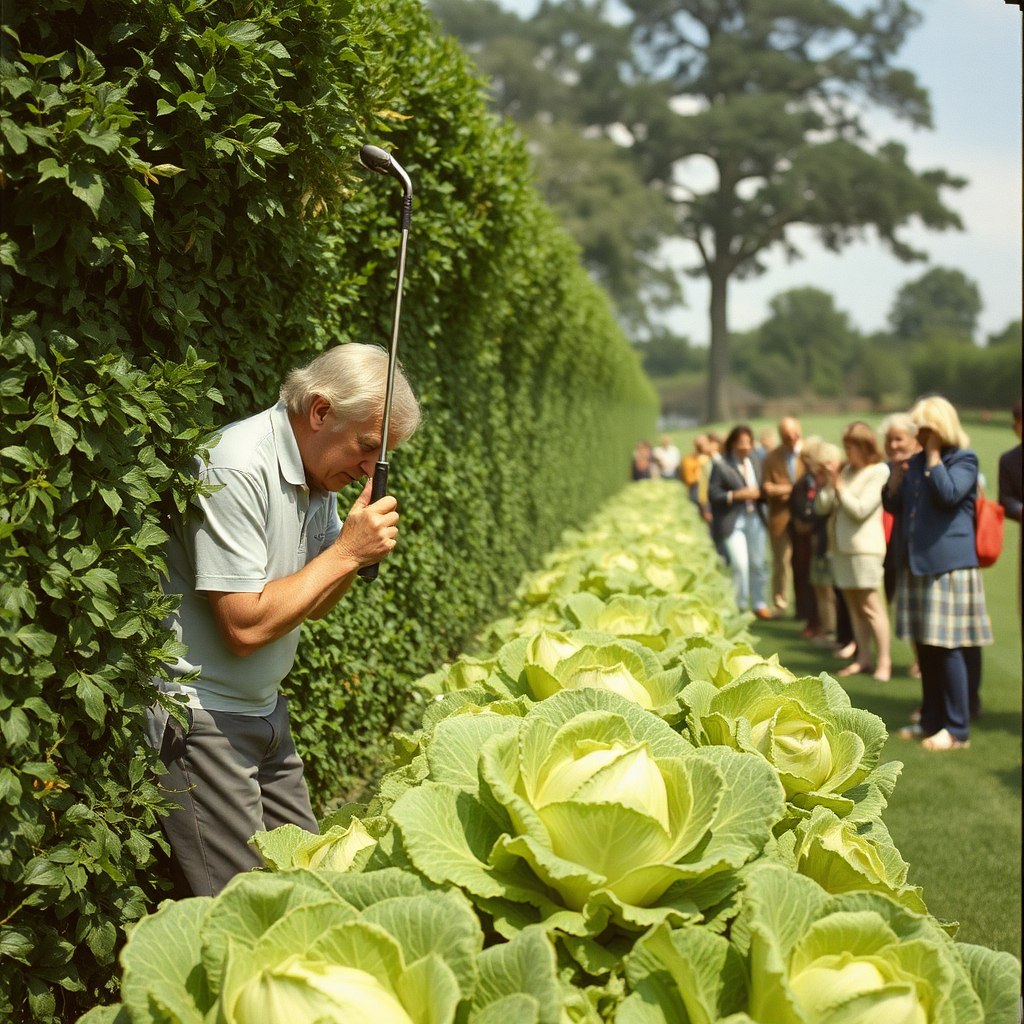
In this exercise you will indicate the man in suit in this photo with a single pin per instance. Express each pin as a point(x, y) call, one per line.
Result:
point(1010, 472)
point(1010, 487)
point(783, 466)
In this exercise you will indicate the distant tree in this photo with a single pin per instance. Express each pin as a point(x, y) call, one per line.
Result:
point(618, 221)
point(768, 94)
point(666, 354)
point(551, 74)
point(884, 372)
point(1009, 335)
point(812, 339)
point(941, 303)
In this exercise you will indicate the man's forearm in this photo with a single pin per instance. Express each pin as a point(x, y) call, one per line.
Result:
point(248, 622)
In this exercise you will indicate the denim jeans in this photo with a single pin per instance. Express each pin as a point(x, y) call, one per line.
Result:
point(745, 547)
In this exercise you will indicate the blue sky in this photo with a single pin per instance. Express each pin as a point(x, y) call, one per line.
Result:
point(967, 53)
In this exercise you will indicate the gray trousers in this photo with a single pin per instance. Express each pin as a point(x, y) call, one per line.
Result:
point(232, 776)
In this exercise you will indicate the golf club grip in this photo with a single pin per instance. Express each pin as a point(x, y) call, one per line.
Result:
point(379, 489)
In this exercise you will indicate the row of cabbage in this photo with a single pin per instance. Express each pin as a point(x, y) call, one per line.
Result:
point(617, 812)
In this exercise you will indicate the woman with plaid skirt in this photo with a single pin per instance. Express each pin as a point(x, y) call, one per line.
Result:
point(940, 601)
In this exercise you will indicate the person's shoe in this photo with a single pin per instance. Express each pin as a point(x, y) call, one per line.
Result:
point(809, 632)
point(915, 715)
point(944, 740)
point(911, 732)
point(763, 613)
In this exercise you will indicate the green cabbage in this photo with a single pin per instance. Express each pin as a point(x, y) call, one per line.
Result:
point(825, 751)
point(303, 947)
point(587, 810)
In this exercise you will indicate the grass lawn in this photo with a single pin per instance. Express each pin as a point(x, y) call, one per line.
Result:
point(955, 816)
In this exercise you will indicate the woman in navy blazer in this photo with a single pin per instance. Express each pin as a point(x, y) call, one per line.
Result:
point(940, 600)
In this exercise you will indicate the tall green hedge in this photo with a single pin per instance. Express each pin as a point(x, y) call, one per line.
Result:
point(182, 221)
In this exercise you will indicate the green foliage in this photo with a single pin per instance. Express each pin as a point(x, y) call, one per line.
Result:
point(553, 75)
point(665, 354)
point(941, 303)
point(971, 377)
point(804, 346)
point(884, 372)
point(1009, 335)
point(171, 242)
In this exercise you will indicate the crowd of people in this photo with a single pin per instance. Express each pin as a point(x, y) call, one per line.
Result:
point(885, 521)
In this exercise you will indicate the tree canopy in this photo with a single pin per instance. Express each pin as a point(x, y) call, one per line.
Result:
point(941, 303)
point(766, 98)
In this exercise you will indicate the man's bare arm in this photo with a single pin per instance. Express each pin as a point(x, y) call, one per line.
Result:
point(248, 622)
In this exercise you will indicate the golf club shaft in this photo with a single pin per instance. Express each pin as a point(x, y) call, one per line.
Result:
point(380, 473)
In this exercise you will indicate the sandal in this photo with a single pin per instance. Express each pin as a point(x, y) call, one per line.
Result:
point(911, 732)
point(944, 740)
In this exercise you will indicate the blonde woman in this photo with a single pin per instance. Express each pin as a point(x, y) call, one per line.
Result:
point(898, 433)
point(940, 600)
point(854, 492)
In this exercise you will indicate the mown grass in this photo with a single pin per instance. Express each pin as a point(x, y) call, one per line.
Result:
point(955, 817)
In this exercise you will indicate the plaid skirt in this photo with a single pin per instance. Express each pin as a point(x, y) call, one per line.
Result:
point(943, 611)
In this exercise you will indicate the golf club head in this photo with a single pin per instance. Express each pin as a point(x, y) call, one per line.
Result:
point(376, 159)
point(384, 163)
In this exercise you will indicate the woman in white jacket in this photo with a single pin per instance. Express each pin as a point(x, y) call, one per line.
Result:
point(853, 493)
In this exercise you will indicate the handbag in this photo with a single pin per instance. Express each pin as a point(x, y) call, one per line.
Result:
point(988, 529)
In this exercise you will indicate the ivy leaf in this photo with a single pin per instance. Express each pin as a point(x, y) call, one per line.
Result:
point(108, 140)
point(91, 697)
point(50, 168)
point(269, 146)
point(64, 435)
point(15, 137)
point(240, 32)
point(36, 639)
point(87, 186)
point(142, 196)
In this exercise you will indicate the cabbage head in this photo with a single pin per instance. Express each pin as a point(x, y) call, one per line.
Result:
point(721, 661)
point(587, 810)
point(860, 958)
point(301, 947)
point(550, 662)
point(796, 955)
point(825, 751)
point(624, 615)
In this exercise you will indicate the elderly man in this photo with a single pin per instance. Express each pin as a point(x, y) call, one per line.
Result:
point(783, 466)
point(265, 552)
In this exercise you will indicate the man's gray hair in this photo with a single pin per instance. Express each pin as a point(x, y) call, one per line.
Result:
point(353, 379)
point(900, 421)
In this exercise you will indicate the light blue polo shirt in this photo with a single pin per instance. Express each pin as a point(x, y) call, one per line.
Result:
point(262, 524)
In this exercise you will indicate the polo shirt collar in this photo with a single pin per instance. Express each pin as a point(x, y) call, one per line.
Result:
point(288, 455)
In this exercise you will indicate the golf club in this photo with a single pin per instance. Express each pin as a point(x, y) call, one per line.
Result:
point(384, 163)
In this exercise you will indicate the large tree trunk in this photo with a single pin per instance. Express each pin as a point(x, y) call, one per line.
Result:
point(718, 407)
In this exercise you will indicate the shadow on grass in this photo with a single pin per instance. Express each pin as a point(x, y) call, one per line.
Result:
point(1009, 778)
